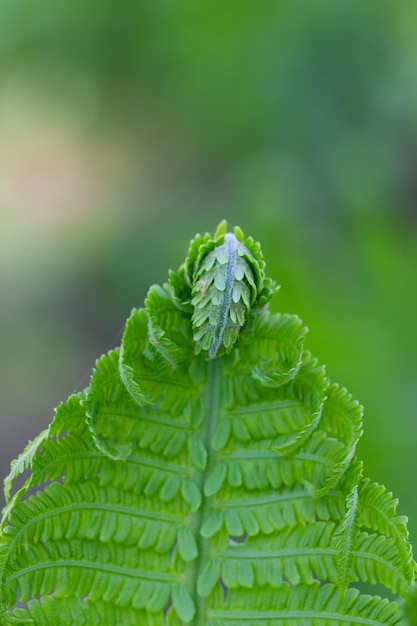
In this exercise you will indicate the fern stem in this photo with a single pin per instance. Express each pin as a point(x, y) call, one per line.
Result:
point(298, 617)
point(83, 564)
point(211, 409)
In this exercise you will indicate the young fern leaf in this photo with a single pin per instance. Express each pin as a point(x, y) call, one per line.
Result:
point(347, 539)
point(207, 476)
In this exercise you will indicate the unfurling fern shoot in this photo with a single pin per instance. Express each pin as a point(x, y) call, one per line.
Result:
point(207, 476)
point(227, 282)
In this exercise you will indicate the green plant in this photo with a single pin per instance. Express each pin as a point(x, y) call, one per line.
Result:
point(207, 475)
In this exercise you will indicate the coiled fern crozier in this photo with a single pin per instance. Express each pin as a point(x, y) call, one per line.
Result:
point(207, 476)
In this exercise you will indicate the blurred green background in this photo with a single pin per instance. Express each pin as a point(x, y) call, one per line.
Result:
point(126, 128)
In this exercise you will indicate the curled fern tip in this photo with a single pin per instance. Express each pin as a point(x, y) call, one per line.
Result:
point(225, 275)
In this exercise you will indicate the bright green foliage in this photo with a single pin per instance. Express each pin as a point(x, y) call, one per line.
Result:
point(207, 476)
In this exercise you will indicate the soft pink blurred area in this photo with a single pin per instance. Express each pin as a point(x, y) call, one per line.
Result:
point(56, 173)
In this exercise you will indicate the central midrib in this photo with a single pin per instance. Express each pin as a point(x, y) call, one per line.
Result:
point(211, 410)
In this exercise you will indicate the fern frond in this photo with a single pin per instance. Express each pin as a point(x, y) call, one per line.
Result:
point(23, 462)
point(207, 476)
point(342, 418)
point(148, 366)
point(285, 413)
point(118, 423)
point(346, 539)
point(377, 560)
point(34, 456)
point(50, 611)
point(266, 511)
point(279, 341)
point(305, 554)
point(304, 605)
point(378, 512)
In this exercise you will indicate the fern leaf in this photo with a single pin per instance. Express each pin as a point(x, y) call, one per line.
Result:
point(23, 462)
point(305, 605)
point(347, 539)
point(207, 475)
point(378, 512)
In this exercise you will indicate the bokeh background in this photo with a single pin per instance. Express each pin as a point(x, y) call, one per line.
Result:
point(127, 127)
